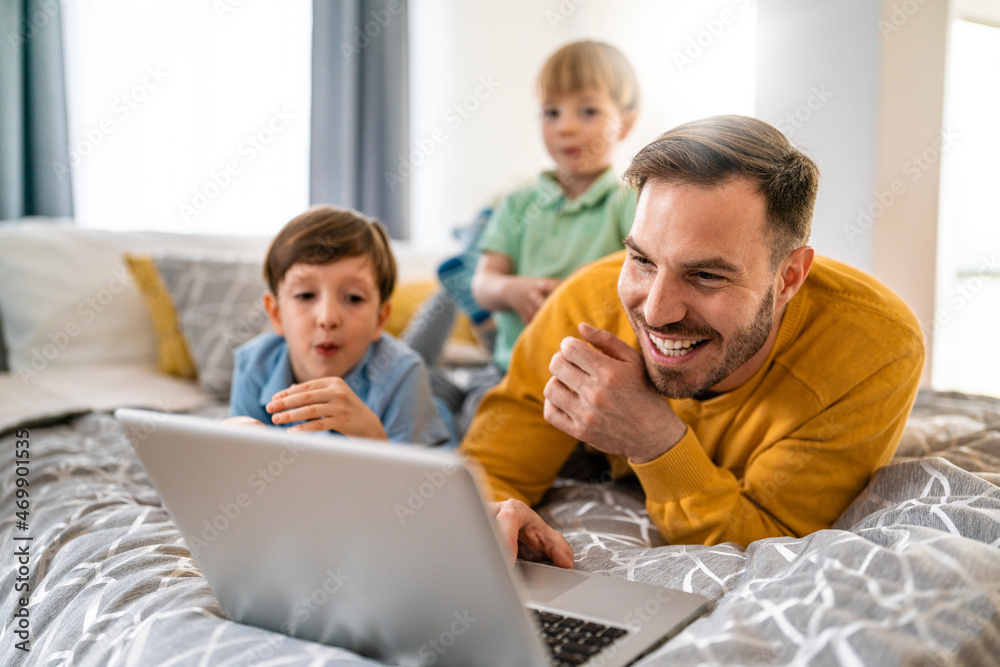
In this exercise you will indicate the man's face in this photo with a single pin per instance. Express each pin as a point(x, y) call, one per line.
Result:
point(697, 285)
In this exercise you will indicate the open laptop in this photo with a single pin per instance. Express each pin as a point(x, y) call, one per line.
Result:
point(386, 550)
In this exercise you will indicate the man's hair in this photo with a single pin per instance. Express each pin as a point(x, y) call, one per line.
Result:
point(711, 151)
point(325, 234)
point(590, 65)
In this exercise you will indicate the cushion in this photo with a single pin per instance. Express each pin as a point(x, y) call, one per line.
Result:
point(67, 299)
point(172, 350)
point(406, 300)
point(219, 303)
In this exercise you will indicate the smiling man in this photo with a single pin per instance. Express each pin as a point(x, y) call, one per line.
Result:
point(751, 387)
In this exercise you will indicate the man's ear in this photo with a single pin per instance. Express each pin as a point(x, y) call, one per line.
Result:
point(383, 318)
point(628, 121)
point(792, 274)
point(271, 306)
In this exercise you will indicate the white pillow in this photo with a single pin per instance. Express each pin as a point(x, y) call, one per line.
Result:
point(67, 298)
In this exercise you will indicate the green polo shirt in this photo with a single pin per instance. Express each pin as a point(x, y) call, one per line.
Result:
point(548, 235)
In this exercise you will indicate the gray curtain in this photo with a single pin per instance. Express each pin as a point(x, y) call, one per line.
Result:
point(360, 120)
point(34, 148)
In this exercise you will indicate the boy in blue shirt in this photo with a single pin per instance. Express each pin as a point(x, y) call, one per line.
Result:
point(330, 366)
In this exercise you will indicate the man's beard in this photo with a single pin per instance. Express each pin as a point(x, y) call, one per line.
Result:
point(740, 348)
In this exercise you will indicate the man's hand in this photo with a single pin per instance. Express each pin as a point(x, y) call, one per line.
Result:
point(527, 535)
point(601, 396)
point(525, 294)
point(325, 404)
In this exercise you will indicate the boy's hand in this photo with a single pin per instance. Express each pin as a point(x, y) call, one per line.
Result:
point(495, 286)
point(325, 404)
point(526, 294)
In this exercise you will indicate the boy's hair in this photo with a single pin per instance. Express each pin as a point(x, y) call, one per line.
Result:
point(710, 151)
point(590, 65)
point(325, 234)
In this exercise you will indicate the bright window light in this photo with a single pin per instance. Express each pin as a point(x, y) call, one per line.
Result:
point(189, 115)
point(967, 316)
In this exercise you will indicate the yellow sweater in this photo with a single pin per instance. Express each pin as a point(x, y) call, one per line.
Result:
point(783, 454)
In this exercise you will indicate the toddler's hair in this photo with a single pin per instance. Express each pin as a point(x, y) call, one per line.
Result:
point(588, 65)
point(325, 234)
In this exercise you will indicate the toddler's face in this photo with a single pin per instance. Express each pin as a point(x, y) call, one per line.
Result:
point(581, 131)
point(328, 314)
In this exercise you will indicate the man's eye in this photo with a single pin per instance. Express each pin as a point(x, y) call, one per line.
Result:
point(639, 259)
point(708, 277)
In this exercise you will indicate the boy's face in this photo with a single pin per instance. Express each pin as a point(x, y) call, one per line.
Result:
point(328, 314)
point(581, 131)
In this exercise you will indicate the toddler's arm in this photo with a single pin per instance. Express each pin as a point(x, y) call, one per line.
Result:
point(325, 404)
point(495, 287)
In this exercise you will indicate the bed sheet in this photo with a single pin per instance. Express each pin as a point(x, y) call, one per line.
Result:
point(910, 574)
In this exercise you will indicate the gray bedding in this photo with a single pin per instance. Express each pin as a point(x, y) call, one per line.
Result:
point(909, 575)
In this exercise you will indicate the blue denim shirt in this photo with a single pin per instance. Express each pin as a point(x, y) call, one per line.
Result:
point(391, 380)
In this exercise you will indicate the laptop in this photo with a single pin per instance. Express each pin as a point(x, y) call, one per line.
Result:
point(386, 550)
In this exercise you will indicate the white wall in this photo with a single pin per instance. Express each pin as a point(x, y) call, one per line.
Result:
point(860, 86)
point(910, 131)
point(817, 82)
point(692, 60)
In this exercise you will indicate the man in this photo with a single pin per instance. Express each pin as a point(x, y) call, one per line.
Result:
point(751, 388)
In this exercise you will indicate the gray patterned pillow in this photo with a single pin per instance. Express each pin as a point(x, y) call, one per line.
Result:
point(219, 299)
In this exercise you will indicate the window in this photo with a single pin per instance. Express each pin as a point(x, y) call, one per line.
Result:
point(188, 115)
point(967, 316)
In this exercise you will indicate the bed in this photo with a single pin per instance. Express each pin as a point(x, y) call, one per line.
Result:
point(908, 575)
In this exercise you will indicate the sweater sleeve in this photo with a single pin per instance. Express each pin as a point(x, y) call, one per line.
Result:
point(799, 484)
point(520, 452)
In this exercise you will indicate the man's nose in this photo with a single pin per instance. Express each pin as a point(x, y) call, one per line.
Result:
point(665, 303)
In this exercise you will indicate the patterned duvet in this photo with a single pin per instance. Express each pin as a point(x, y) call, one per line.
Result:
point(909, 575)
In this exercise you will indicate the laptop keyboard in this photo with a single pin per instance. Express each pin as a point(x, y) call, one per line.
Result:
point(574, 641)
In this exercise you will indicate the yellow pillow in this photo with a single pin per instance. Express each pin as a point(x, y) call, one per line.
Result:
point(174, 356)
point(406, 300)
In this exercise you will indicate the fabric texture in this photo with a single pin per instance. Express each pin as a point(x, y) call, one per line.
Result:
point(547, 235)
point(219, 299)
point(783, 454)
point(360, 127)
point(907, 575)
point(34, 163)
point(391, 380)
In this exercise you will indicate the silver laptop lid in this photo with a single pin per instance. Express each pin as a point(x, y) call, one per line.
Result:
point(293, 534)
